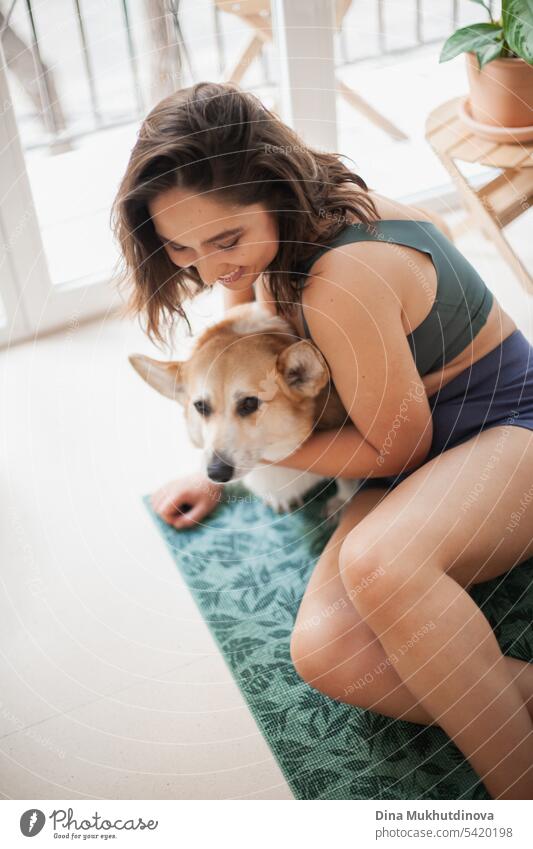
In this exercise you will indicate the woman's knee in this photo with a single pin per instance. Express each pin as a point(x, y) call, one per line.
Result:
point(349, 667)
point(363, 568)
point(331, 645)
point(314, 640)
point(382, 573)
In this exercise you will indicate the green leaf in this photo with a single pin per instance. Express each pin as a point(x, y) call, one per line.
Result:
point(276, 721)
point(470, 39)
point(312, 783)
point(257, 678)
point(432, 769)
point(265, 600)
point(517, 16)
point(239, 649)
point(492, 51)
point(281, 634)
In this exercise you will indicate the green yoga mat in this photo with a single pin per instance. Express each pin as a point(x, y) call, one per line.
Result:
point(247, 569)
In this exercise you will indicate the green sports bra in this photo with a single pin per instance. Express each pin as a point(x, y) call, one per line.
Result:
point(462, 301)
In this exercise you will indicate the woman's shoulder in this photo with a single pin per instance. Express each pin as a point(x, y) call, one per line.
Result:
point(389, 209)
point(369, 265)
point(375, 255)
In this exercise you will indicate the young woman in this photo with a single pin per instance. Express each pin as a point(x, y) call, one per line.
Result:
point(434, 375)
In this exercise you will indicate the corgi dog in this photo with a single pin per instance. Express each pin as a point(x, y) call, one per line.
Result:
point(253, 391)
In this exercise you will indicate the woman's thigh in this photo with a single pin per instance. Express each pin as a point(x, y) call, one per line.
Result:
point(466, 509)
point(325, 580)
point(326, 614)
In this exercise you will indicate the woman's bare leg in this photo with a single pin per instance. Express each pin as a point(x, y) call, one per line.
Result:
point(336, 651)
point(429, 548)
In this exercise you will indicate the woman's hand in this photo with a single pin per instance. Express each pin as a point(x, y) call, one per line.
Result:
point(185, 501)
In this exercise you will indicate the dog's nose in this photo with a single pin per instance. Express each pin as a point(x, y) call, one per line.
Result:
point(219, 469)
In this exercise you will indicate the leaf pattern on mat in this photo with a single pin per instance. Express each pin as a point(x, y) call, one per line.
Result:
point(275, 717)
point(247, 569)
point(257, 678)
point(373, 787)
point(239, 649)
point(311, 781)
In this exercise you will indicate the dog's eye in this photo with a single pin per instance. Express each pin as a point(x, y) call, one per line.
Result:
point(247, 406)
point(202, 408)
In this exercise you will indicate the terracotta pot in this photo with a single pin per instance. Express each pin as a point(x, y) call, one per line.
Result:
point(501, 93)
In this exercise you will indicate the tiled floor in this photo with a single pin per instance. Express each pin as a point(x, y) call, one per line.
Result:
point(110, 683)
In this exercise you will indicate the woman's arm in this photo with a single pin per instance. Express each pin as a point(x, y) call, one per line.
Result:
point(343, 453)
point(355, 319)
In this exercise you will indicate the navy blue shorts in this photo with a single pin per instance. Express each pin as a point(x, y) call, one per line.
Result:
point(495, 390)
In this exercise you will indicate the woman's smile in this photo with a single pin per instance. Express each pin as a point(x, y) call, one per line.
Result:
point(231, 278)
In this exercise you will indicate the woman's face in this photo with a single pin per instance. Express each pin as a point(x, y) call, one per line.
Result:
point(216, 238)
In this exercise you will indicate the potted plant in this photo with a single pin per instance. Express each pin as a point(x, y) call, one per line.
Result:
point(499, 56)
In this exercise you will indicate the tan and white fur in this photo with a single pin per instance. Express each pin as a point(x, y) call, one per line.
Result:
point(253, 390)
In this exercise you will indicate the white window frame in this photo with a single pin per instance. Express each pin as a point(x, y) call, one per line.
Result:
point(32, 302)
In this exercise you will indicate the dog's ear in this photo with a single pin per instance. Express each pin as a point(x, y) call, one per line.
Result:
point(166, 377)
point(303, 369)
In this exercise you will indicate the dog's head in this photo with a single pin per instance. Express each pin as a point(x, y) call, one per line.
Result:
point(249, 390)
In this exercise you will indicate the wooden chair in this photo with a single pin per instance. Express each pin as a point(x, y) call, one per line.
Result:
point(498, 202)
point(256, 13)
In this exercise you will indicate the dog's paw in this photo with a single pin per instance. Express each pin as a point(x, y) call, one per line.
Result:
point(331, 510)
point(333, 507)
point(282, 505)
point(282, 489)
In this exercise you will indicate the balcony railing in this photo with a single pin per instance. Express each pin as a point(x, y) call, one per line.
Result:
point(157, 46)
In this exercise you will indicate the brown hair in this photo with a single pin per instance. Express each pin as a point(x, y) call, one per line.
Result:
point(217, 137)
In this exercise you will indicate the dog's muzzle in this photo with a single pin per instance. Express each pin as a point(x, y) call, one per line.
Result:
point(219, 469)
